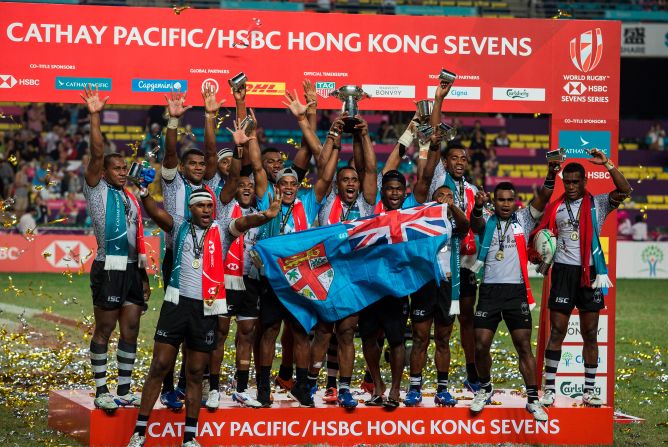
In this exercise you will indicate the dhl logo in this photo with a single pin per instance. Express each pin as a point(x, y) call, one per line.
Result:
point(265, 88)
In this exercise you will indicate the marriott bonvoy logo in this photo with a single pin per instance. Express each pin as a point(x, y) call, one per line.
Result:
point(586, 52)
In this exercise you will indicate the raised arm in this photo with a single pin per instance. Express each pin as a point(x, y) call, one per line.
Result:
point(441, 92)
point(211, 107)
point(240, 101)
point(176, 109)
point(461, 222)
point(477, 221)
point(394, 159)
point(243, 224)
point(622, 188)
point(326, 174)
point(161, 217)
point(545, 193)
point(313, 146)
point(421, 189)
point(95, 166)
point(241, 141)
point(366, 165)
point(255, 157)
point(312, 99)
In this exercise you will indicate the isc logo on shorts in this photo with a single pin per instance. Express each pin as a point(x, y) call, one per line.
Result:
point(113, 299)
point(418, 312)
point(480, 313)
point(561, 299)
point(161, 333)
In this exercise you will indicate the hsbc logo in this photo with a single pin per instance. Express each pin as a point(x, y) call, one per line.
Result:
point(232, 266)
point(7, 81)
point(66, 253)
point(575, 88)
point(210, 82)
point(586, 50)
point(9, 253)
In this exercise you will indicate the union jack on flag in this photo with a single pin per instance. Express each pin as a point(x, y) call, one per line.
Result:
point(394, 227)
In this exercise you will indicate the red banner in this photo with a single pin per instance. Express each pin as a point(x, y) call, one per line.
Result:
point(569, 69)
point(56, 253)
point(136, 54)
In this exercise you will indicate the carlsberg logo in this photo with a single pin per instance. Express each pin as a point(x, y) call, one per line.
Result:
point(514, 93)
point(574, 390)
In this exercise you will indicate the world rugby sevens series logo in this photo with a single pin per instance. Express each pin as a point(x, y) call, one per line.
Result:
point(585, 53)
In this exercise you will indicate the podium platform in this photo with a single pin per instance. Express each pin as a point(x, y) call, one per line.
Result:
point(505, 421)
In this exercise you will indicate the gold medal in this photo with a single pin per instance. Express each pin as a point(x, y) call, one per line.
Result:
point(575, 236)
point(209, 301)
point(195, 263)
point(499, 255)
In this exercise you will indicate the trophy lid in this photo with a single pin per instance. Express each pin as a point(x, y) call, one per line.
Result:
point(349, 91)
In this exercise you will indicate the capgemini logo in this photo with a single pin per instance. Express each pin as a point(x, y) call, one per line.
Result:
point(652, 255)
point(585, 53)
point(567, 358)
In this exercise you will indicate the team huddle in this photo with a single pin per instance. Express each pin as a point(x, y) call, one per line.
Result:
point(219, 203)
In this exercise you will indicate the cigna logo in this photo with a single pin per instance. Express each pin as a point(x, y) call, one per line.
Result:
point(585, 52)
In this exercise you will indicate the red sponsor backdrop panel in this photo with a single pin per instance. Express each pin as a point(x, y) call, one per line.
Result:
point(503, 65)
point(290, 426)
point(585, 115)
point(54, 253)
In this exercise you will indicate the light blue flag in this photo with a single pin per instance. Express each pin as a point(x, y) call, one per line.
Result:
point(331, 272)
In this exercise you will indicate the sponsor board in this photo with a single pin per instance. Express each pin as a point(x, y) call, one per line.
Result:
point(159, 85)
point(389, 91)
point(518, 94)
point(9, 81)
point(265, 88)
point(79, 83)
point(648, 260)
point(573, 334)
point(644, 40)
point(572, 386)
point(288, 426)
point(578, 142)
point(457, 92)
point(210, 82)
point(324, 88)
point(572, 361)
point(51, 253)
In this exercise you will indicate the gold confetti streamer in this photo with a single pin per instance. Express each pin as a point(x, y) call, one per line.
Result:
point(293, 143)
point(179, 9)
point(13, 160)
point(68, 274)
point(562, 14)
point(57, 221)
point(220, 119)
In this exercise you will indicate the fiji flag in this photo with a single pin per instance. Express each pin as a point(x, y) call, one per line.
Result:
point(333, 271)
